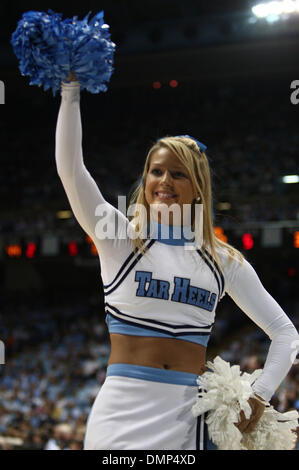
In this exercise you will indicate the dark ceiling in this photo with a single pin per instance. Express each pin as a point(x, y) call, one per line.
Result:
point(128, 12)
point(121, 15)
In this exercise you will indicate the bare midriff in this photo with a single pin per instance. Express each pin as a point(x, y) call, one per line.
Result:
point(162, 353)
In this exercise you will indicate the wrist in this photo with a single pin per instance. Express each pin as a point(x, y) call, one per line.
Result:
point(259, 389)
point(260, 399)
point(68, 85)
point(70, 92)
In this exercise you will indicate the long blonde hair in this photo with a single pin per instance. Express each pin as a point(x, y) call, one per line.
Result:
point(197, 165)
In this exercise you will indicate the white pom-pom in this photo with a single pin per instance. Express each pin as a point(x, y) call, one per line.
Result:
point(224, 392)
point(274, 431)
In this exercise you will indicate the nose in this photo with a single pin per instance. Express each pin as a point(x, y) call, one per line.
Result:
point(166, 178)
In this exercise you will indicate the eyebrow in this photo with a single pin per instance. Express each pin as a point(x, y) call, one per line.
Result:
point(176, 168)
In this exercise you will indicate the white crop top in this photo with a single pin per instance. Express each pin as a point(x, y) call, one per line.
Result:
point(168, 291)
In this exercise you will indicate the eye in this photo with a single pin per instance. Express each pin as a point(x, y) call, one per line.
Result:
point(156, 171)
point(179, 174)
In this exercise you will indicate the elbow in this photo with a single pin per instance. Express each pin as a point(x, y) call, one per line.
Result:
point(60, 172)
point(293, 333)
point(293, 341)
point(64, 177)
point(64, 170)
point(59, 161)
point(286, 330)
point(58, 169)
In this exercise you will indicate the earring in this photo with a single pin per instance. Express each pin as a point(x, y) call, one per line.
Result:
point(198, 199)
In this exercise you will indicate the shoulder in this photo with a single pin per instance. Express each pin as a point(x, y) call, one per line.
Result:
point(238, 272)
point(232, 262)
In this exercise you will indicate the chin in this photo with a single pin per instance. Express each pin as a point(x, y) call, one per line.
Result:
point(168, 202)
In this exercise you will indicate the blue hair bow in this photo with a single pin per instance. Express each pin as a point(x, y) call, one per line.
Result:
point(202, 146)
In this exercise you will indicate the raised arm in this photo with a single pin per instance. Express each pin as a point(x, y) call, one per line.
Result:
point(82, 191)
point(247, 291)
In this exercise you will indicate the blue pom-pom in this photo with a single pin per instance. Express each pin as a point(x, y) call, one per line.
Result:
point(48, 47)
point(92, 52)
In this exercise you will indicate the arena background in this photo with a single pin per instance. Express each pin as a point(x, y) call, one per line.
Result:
point(208, 69)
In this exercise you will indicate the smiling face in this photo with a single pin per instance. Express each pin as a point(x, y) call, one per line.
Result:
point(168, 180)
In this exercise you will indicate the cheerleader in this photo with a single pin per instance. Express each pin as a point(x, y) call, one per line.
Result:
point(161, 298)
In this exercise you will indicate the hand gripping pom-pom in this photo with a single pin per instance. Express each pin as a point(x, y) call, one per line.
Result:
point(224, 393)
point(48, 47)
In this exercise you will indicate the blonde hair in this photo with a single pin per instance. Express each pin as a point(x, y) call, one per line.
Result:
point(197, 165)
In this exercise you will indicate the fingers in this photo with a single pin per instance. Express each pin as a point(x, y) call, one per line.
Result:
point(248, 425)
point(71, 77)
point(243, 422)
point(251, 426)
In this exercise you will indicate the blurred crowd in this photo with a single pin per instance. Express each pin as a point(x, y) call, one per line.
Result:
point(55, 359)
point(56, 353)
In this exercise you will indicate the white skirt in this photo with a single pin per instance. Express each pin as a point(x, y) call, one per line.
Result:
point(146, 408)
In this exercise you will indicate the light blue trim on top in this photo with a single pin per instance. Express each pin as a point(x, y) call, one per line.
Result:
point(124, 328)
point(152, 374)
point(172, 234)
